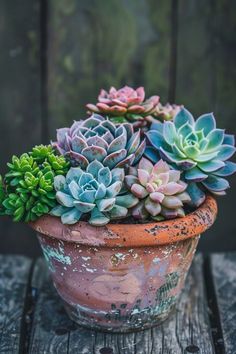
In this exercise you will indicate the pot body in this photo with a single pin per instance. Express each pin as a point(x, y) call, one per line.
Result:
point(122, 277)
point(118, 289)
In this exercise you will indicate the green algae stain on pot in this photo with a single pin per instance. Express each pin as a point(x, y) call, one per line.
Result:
point(172, 280)
point(164, 302)
point(53, 254)
point(163, 299)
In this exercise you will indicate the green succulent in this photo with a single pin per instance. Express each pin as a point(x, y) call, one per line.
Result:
point(46, 154)
point(29, 183)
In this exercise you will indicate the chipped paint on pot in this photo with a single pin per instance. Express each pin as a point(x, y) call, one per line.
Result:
point(121, 286)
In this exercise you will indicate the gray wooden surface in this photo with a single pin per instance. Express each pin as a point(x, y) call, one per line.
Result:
point(225, 286)
point(14, 273)
point(32, 318)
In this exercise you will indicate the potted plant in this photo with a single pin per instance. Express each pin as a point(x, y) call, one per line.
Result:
point(119, 201)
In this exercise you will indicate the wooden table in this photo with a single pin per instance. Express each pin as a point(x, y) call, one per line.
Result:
point(32, 318)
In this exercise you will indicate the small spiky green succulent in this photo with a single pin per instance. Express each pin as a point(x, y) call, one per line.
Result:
point(124, 105)
point(29, 183)
point(94, 192)
point(197, 148)
point(98, 138)
point(45, 154)
point(159, 189)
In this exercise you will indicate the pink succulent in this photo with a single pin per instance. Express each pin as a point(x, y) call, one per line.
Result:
point(159, 189)
point(126, 96)
point(167, 111)
point(125, 104)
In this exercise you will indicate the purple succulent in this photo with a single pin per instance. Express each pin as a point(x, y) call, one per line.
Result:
point(97, 138)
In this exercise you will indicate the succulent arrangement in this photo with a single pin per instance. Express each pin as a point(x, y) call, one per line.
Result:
point(107, 167)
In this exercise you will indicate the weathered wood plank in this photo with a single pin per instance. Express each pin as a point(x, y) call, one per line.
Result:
point(94, 44)
point(206, 76)
point(188, 329)
point(224, 277)
point(14, 273)
point(19, 101)
point(51, 326)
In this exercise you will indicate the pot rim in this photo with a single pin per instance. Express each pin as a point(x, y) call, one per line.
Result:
point(131, 235)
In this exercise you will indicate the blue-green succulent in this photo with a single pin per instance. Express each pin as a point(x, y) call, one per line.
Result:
point(95, 192)
point(196, 147)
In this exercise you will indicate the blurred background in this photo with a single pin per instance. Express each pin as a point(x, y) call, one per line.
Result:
point(57, 54)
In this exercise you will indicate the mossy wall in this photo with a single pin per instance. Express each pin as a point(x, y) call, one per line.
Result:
point(94, 44)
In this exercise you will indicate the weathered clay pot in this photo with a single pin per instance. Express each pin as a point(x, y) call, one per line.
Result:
point(121, 277)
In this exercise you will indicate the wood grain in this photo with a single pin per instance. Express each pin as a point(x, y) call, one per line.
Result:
point(14, 272)
point(50, 326)
point(53, 332)
point(224, 275)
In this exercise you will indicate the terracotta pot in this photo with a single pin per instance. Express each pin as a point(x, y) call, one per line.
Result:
point(121, 277)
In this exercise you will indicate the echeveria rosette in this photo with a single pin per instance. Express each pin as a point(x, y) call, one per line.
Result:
point(159, 189)
point(125, 104)
point(29, 190)
point(196, 147)
point(166, 112)
point(97, 138)
point(94, 192)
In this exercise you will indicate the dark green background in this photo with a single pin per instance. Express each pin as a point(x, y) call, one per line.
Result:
point(57, 54)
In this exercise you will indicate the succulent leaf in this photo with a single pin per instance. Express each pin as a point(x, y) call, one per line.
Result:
point(59, 182)
point(206, 123)
point(98, 218)
point(70, 217)
point(227, 170)
point(195, 175)
point(216, 184)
